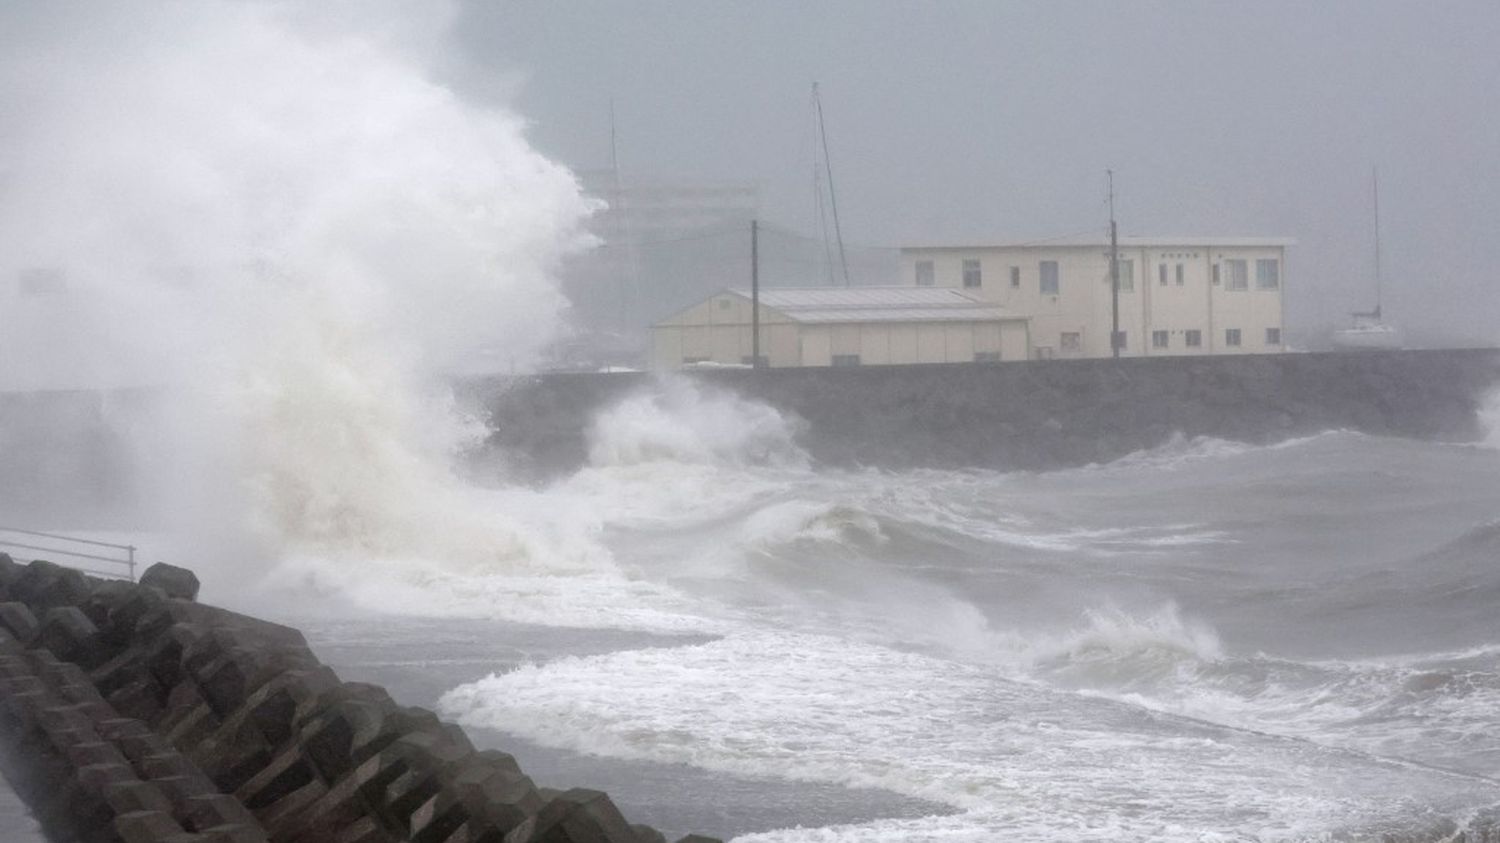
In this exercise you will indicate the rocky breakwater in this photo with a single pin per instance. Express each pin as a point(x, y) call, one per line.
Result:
point(129, 712)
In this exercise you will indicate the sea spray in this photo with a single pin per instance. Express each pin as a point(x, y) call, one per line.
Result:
point(287, 224)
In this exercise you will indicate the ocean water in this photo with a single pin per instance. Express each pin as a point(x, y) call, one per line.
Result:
point(1204, 641)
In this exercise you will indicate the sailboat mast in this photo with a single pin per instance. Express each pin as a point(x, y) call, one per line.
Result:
point(1375, 192)
point(833, 197)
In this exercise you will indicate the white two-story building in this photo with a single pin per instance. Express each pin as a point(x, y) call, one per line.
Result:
point(1183, 295)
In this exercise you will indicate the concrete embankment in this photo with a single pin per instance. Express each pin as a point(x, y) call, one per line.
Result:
point(1033, 415)
point(130, 712)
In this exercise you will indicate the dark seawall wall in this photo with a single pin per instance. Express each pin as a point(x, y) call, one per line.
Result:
point(1033, 415)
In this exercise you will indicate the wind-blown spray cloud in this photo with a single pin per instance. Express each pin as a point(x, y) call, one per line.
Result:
point(292, 227)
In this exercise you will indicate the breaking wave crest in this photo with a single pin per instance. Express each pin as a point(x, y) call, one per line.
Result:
point(677, 420)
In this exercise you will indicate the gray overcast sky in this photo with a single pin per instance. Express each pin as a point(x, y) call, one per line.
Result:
point(996, 120)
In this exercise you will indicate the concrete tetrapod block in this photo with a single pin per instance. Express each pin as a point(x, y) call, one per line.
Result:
point(647, 834)
point(172, 580)
point(345, 734)
point(121, 669)
point(364, 830)
point(288, 771)
point(405, 794)
point(94, 752)
point(139, 747)
point(104, 597)
point(46, 584)
point(347, 803)
point(280, 818)
point(129, 796)
point(116, 729)
point(168, 650)
point(579, 815)
point(210, 810)
point(9, 570)
point(146, 827)
point(246, 739)
point(18, 620)
point(437, 819)
point(71, 636)
point(503, 797)
point(229, 679)
point(138, 700)
point(125, 613)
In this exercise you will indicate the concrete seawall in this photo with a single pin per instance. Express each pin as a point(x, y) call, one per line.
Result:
point(1034, 415)
point(131, 713)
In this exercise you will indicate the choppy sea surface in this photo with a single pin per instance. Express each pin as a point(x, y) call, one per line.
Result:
point(1204, 641)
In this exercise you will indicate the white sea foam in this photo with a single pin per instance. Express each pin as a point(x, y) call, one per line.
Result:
point(1014, 758)
point(681, 421)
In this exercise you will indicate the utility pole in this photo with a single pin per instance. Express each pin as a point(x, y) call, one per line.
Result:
point(755, 294)
point(1114, 271)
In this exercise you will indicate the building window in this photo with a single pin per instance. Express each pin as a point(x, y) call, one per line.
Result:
point(1122, 339)
point(926, 276)
point(1158, 339)
point(724, 304)
point(1179, 275)
point(1192, 339)
point(1216, 273)
point(1127, 275)
point(1161, 274)
point(846, 359)
point(1232, 336)
point(972, 277)
point(986, 357)
point(1015, 277)
point(1236, 275)
point(1071, 342)
point(1273, 336)
point(1267, 274)
point(1049, 277)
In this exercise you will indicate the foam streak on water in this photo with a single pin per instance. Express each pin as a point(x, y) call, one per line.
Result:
point(1125, 652)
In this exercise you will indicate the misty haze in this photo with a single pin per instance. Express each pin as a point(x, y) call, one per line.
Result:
point(837, 421)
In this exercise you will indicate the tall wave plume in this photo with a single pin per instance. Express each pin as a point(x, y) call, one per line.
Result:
point(284, 219)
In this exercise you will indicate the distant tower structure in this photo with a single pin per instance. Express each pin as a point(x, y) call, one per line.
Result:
point(663, 246)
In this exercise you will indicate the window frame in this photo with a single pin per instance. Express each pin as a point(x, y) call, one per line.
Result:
point(1232, 338)
point(1056, 285)
point(1275, 273)
point(930, 274)
point(1236, 282)
point(976, 267)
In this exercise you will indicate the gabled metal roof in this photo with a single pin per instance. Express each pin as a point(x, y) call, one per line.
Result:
point(877, 304)
point(1102, 242)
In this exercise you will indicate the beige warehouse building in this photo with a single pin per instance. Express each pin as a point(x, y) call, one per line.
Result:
point(842, 326)
point(1178, 296)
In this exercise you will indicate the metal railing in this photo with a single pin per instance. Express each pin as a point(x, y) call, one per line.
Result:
point(126, 558)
